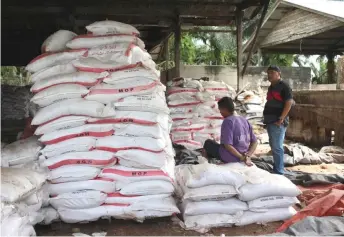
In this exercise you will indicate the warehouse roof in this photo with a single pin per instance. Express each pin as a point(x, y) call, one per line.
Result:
point(26, 24)
point(302, 27)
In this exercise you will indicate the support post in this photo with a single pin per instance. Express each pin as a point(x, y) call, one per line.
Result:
point(259, 54)
point(177, 41)
point(330, 68)
point(238, 22)
point(254, 41)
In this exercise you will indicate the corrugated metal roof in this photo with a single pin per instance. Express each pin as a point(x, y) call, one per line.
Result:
point(319, 40)
point(332, 9)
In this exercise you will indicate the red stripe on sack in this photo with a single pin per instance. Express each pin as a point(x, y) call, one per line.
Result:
point(85, 36)
point(83, 161)
point(170, 92)
point(216, 89)
point(122, 120)
point(116, 204)
point(189, 142)
point(187, 129)
point(114, 69)
point(186, 104)
point(178, 119)
point(123, 90)
point(111, 149)
point(52, 53)
point(82, 134)
point(134, 173)
point(51, 120)
point(89, 84)
point(121, 195)
point(131, 46)
point(214, 117)
point(104, 179)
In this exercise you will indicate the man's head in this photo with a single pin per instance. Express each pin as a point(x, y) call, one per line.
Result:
point(226, 106)
point(274, 73)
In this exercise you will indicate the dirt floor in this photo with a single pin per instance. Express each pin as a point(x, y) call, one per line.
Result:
point(156, 227)
point(320, 169)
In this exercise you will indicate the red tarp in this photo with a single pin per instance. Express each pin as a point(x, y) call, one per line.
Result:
point(324, 203)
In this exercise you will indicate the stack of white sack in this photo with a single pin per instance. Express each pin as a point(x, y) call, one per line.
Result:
point(194, 110)
point(22, 153)
point(105, 124)
point(251, 106)
point(232, 194)
point(22, 199)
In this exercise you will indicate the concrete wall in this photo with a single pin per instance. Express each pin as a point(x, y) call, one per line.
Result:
point(298, 78)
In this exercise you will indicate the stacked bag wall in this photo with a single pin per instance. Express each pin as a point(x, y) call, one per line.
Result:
point(232, 194)
point(105, 124)
point(194, 110)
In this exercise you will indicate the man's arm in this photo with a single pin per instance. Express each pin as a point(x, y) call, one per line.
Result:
point(253, 142)
point(286, 108)
point(234, 151)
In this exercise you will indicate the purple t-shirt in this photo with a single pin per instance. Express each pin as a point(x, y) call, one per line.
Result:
point(235, 131)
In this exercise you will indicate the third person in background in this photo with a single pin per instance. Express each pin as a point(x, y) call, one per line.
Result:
point(277, 107)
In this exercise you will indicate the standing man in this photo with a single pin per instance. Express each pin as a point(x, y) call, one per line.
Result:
point(277, 107)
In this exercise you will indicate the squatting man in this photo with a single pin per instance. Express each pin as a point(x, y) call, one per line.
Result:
point(238, 142)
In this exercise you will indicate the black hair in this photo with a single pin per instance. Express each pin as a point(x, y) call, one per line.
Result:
point(226, 103)
point(274, 68)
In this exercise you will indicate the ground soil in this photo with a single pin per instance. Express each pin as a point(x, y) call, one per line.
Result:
point(155, 227)
point(320, 169)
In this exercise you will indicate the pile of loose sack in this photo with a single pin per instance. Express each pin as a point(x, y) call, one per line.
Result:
point(104, 148)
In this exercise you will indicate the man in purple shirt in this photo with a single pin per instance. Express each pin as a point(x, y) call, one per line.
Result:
point(238, 141)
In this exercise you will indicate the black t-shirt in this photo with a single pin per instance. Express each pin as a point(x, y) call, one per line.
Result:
point(277, 95)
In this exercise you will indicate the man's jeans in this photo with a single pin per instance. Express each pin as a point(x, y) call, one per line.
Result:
point(276, 138)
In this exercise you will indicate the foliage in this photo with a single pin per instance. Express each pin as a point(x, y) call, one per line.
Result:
point(15, 76)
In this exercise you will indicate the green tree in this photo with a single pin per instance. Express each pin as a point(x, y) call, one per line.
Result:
point(15, 76)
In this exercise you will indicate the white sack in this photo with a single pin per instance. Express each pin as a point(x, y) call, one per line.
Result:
point(21, 151)
point(89, 41)
point(143, 188)
point(49, 215)
point(78, 200)
point(52, 71)
point(106, 93)
point(51, 59)
point(184, 136)
point(132, 73)
point(113, 198)
point(82, 215)
point(78, 107)
point(142, 159)
point(164, 204)
point(57, 93)
point(87, 79)
point(111, 27)
point(88, 130)
point(78, 144)
point(265, 203)
point(147, 103)
point(91, 158)
point(73, 173)
point(13, 225)
point(137, 117)
point(274, 185)
point(103, 185)
point(57, 41)
point(27, 230)
point(207, 221)
point(129, 175)
point(229, 206)
point(277, 214)
point(117, 143)
point(137, 130)
point(17, 184)
point(209, 193)
point(61, 123)
point(209, 174)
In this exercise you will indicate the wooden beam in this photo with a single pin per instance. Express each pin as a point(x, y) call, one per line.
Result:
point(239, 30)
point(213, 31)
point(177, 42)
point(254, 41)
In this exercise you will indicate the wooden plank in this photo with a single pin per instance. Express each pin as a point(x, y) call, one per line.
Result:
point(299, 24)
point(238, 22)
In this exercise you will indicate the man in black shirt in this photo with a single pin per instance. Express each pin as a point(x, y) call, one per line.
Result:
point(277, 107)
